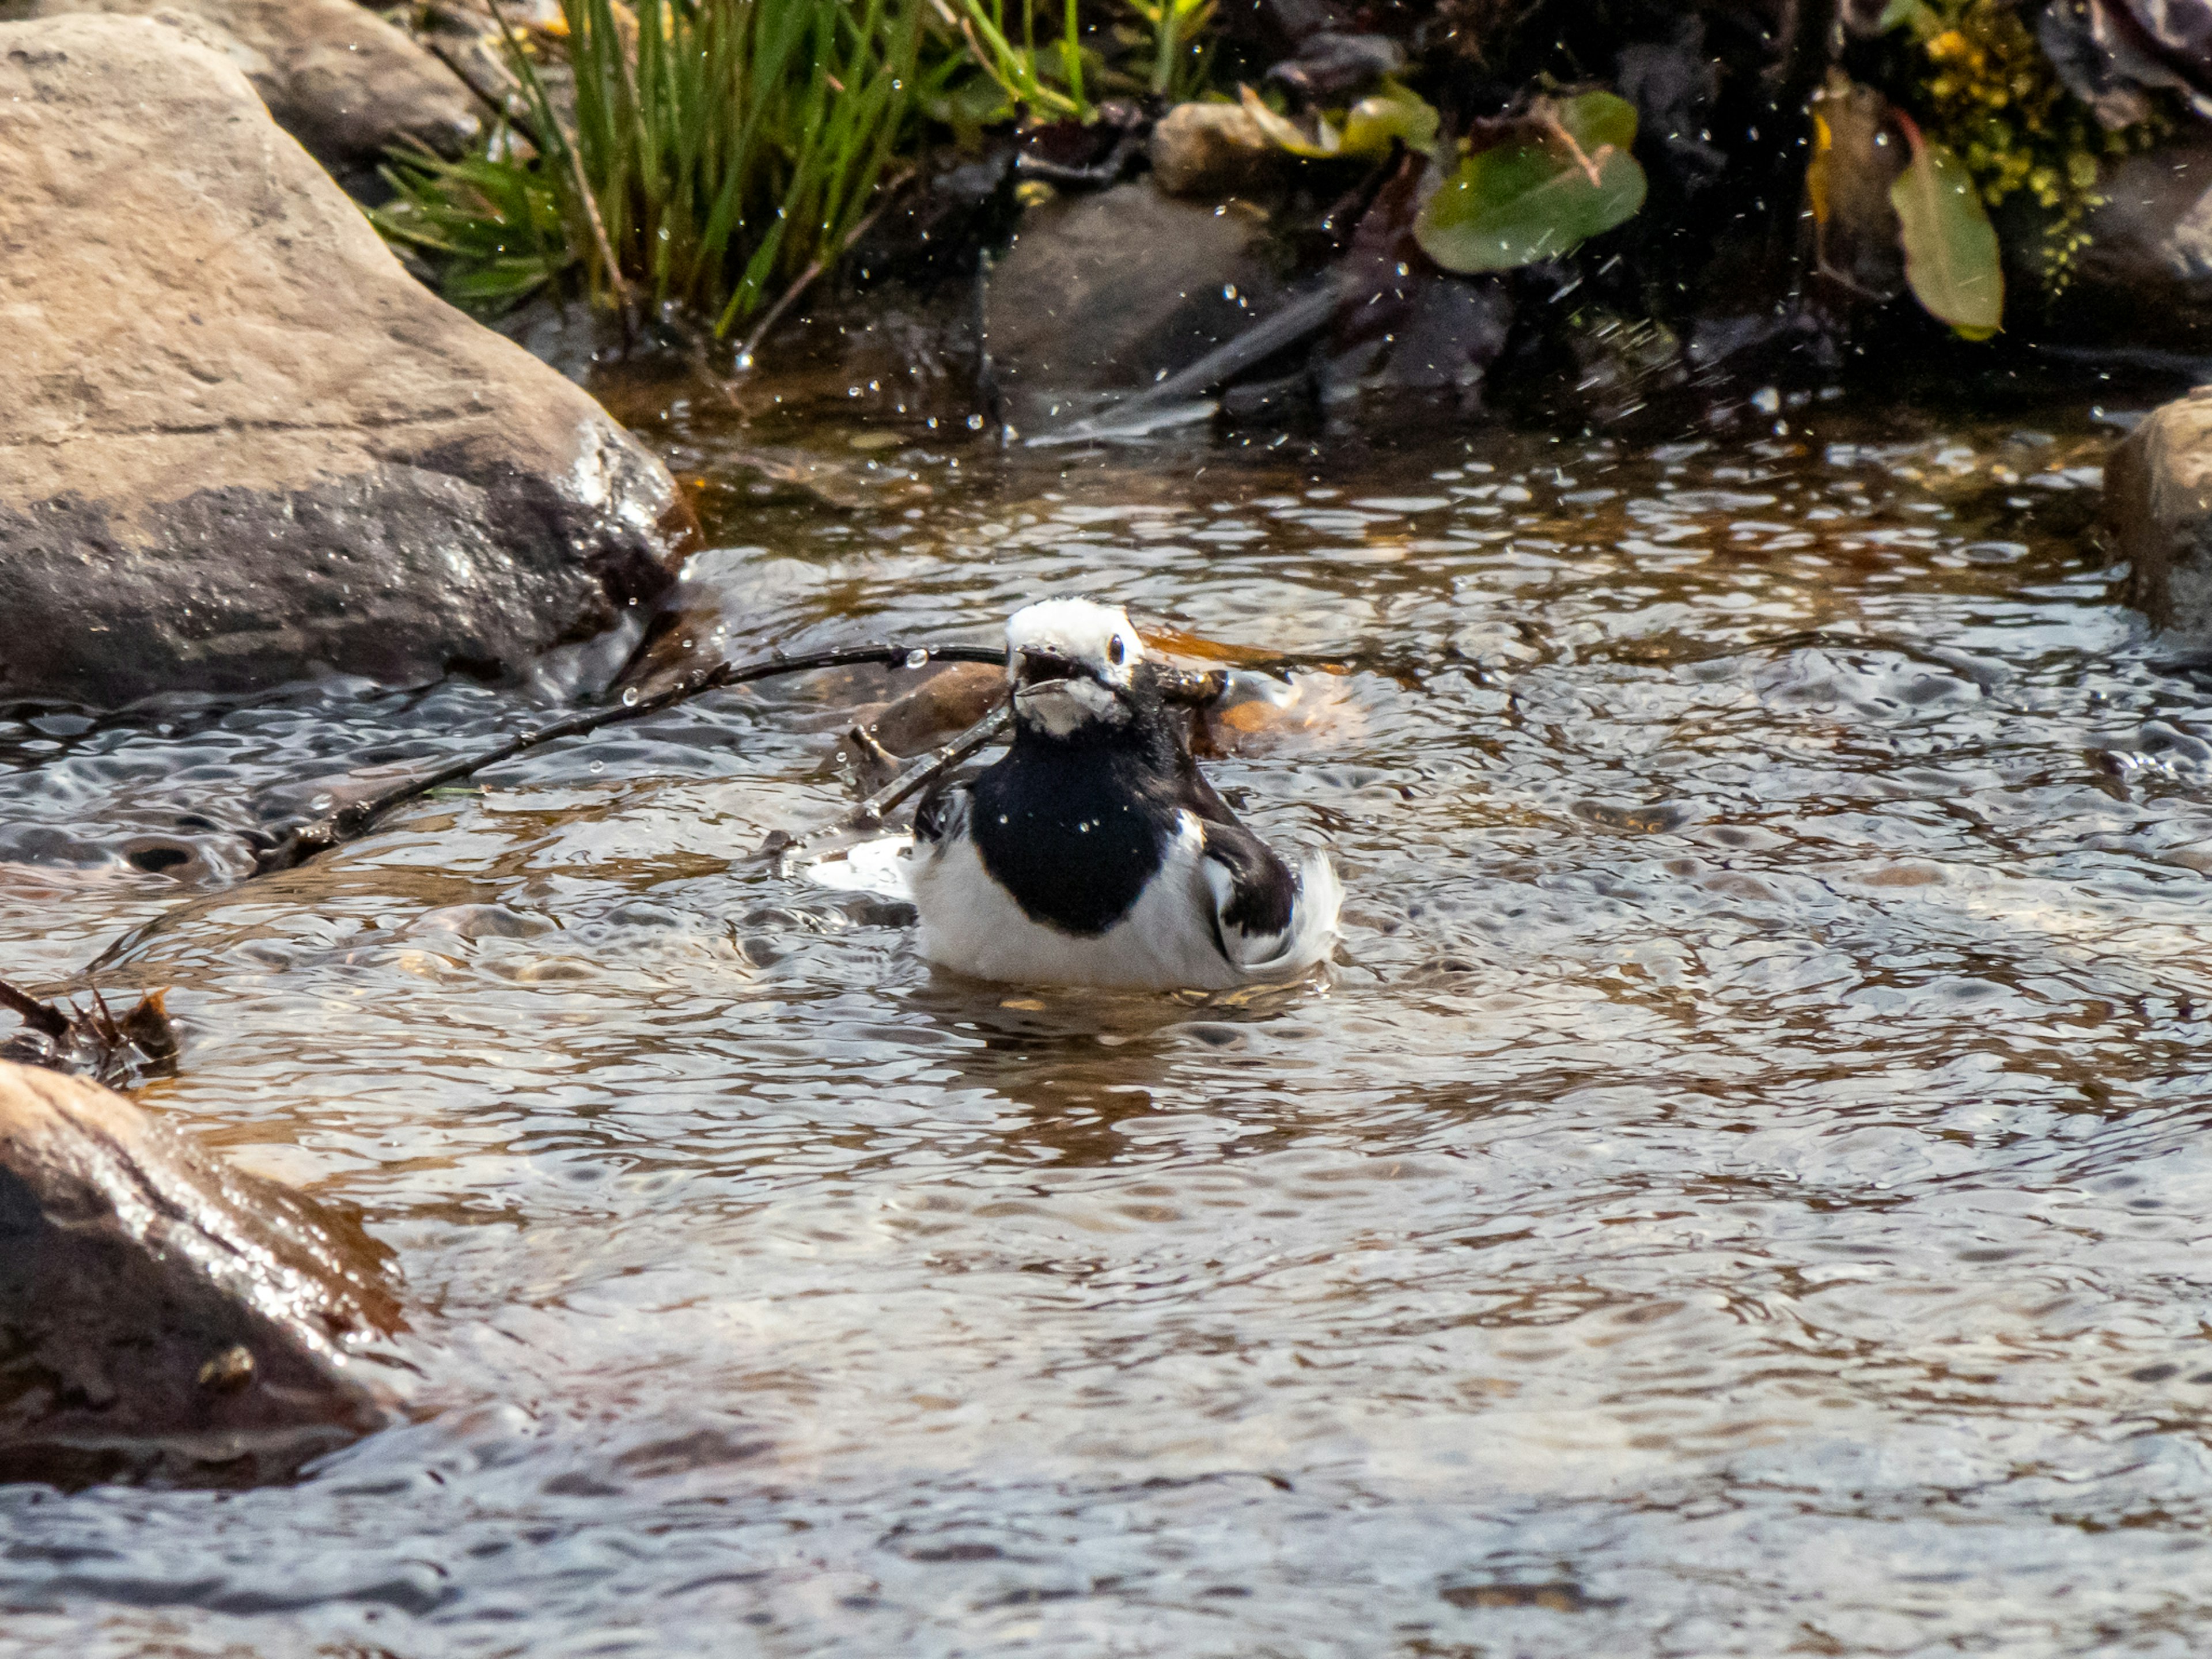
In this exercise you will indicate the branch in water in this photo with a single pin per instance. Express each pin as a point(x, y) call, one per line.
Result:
point(91, 1041)
point(303, 842)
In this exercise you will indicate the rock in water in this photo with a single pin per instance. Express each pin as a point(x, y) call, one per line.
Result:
point(1118, 290)
point(337, 76)
point(1212, 150)
point(242, 445)
point(2158, 500)
point(163, 1316)
point(2146, 276)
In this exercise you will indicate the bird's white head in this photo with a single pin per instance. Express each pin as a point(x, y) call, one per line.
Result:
point(1071, 663)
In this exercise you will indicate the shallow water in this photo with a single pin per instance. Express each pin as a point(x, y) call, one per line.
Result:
point(1738, 1194)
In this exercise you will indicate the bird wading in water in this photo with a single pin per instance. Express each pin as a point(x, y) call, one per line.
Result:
point(1095, 852)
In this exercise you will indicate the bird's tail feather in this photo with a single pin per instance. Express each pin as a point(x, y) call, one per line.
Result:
point(1313, 927)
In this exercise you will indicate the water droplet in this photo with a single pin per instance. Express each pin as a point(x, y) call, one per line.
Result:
point(974, 423)
point(917, 658)
point(598, 766)
point(629, 697)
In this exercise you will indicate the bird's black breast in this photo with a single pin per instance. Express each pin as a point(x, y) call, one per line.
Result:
point(1073, 835)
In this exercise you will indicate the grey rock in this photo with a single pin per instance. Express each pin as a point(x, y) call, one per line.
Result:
point(2158, 503)
point(1213, 151)
point(2146, 276)
point(1673, 85)
point(1452, 330)
point(242, 445)
point(2114, 54)
point(162, 1316)
point(1118, 291)
point(1333, 67)
point(1278, 28)
point(341, 80)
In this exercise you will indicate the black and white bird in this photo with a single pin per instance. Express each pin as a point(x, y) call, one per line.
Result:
point(1095, 852)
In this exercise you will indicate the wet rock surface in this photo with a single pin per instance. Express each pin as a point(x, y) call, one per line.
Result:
point(341, 80)
point(163, 1316)
point(1212, 150)
point(245, 447)
point(2158, 503)
point(1118, 290)
point(2146, 276)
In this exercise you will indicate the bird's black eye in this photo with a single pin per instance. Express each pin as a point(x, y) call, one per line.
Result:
point(1114, 649)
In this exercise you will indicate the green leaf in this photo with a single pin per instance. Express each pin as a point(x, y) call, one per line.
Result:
point(1391, 115)
point(1562, 175)
point(1915, 15)
point(498, 285)
point(1951, 258)
point(1286, 134)
point(1370, 126)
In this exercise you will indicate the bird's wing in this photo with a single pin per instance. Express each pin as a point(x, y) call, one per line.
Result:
point(1268, 920)
point(942, 810)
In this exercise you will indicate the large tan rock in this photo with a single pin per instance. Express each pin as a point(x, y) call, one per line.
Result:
point(337, 77)
point(240, 444)
point(2158, 501)
point(161, 1314)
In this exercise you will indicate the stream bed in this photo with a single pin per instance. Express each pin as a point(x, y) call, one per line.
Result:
point(1738, 1194)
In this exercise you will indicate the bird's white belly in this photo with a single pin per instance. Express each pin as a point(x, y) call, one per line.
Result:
point(1165, 942)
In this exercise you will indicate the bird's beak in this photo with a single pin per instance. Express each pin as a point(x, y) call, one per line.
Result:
point(1033, 667)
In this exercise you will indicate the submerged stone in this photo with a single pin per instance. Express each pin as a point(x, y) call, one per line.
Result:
point(162, 1316)
point(244, 447)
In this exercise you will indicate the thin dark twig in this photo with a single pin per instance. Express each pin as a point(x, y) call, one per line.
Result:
point(347, 823)
point(869, 814)
point(872, 810)
point(41, 1016)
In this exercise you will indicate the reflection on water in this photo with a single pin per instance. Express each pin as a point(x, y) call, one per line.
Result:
point(1737, 1195)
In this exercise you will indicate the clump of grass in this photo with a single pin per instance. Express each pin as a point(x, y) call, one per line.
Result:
point(1164, 53)
point(721, 149)
point(493, 224)
point(721, 153)
point(1182, 58)
point(1049, 82)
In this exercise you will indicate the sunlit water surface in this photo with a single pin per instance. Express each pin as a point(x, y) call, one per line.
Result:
point(1739, 1192)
